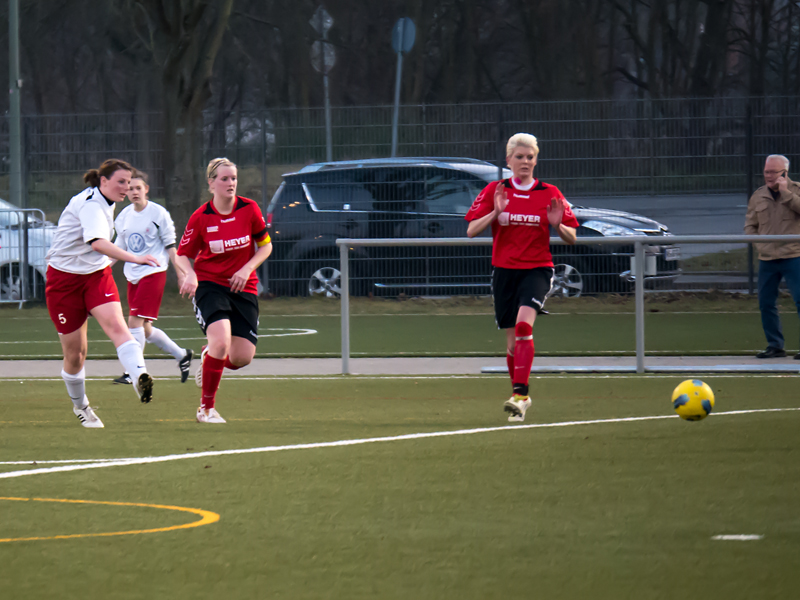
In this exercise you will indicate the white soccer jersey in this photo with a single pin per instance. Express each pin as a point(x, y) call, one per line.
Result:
point(88, 216)
point(148, 232)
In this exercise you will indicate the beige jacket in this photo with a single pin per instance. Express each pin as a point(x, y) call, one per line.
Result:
point(766, 216)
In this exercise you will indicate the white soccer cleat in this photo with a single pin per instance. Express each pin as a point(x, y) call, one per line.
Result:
point(198, 377)
point(87, 417)
point(144, 388)
point(209, 416)
point(517, 406)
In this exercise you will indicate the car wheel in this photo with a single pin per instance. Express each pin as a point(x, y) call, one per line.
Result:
point(567, 282)
point(11, 284)
point(326, 282)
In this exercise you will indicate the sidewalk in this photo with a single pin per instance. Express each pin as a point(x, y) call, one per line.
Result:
point(425, 366)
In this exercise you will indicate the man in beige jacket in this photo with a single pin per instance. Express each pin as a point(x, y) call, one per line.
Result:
point(774, 209)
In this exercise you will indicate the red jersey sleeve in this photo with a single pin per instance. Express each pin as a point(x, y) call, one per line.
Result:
point(192, 239)
point(258, 229)
point(484, 203)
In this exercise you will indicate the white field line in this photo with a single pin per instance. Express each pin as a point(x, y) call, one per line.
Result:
point(364, 377)
point(121, 462)
point(739, 537)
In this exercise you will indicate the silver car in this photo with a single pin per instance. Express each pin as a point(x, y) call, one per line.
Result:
point(15, 226)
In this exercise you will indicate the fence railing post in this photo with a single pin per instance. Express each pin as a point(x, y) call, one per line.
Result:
point(344, 270)
point(638, 267)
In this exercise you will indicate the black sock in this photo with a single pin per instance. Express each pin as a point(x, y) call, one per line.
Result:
point(521, 389)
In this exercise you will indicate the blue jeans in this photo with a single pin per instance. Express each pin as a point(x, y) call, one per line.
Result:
point(770, 273)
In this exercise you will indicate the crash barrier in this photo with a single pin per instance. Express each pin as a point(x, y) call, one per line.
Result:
point(639, 268)
point(25, 237)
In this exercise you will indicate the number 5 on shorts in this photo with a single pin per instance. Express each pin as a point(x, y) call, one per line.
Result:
point(62, 319)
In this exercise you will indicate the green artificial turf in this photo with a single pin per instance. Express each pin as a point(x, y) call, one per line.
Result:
point(595, 510)
point(430, 330)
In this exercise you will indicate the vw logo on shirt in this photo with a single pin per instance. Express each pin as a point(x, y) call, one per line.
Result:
point(136, 242)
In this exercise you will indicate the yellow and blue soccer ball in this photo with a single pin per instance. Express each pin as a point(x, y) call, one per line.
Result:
point(693, 400)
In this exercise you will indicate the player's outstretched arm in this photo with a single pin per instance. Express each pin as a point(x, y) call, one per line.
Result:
point(115, 252)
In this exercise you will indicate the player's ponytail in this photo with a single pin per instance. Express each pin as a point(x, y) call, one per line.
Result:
point(107, 169)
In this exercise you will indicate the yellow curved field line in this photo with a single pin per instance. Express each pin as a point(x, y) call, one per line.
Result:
point(208, 517)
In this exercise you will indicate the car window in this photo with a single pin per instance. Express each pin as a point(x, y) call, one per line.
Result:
point(395, 190)
point(339, 196)
point(451, 193)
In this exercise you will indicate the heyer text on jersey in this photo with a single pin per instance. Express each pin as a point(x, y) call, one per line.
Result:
point(523, 219)
point(237, 242)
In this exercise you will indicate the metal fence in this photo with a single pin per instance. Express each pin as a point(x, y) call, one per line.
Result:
point(25, 238)
point(641, 245)
point(624, 150)
point(588, 148)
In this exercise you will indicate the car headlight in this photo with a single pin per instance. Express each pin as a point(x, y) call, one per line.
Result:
point(608, 229)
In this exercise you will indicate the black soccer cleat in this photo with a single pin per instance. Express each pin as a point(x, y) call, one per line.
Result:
point(145, 388)
point(124, 379)
point(185, 364)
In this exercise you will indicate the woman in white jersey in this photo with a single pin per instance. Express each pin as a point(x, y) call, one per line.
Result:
point(144, 227)
point(79, 284)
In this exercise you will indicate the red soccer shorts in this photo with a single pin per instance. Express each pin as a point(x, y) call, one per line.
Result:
point(70, 297)
point(144, 297)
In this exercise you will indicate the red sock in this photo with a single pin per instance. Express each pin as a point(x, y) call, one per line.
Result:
point(212, 374)
point(523, 353)
point(510, 363)
point(230, 365)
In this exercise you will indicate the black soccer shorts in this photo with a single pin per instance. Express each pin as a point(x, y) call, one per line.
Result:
point(512, 288)
point(215, 302)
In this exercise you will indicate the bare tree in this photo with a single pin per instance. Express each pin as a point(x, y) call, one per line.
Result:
point(184, 38)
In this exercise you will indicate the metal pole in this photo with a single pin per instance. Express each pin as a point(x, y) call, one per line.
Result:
point(14, 91)
point(639, 290)
point(344, 269)
point(749, 170)
point(397, 80)
point(15, 140)
point(328, 129)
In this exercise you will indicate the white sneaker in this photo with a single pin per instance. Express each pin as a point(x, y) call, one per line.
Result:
point(209, 416)
point(198, 376)
point(517, 406)
point(87, 417)
point(144, 388)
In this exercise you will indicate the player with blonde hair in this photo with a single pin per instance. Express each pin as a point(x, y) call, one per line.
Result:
point(227, 239)
point(521, 212)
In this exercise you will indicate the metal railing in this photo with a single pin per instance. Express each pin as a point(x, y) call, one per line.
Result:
point(639, 242)
point(25, 238)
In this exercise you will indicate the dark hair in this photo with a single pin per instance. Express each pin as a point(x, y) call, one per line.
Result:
point(107, 169)
point(137, 174)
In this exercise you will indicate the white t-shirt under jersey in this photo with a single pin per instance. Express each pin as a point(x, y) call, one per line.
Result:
point(150, 231)
point(88, 216)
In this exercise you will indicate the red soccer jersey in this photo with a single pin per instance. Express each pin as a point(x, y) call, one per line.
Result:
point(524, 243)
point(222, 244)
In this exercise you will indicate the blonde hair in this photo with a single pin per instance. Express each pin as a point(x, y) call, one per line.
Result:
point(522, 139)
point(216, 163)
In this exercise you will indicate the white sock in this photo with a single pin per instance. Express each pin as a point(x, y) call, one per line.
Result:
point(138, 335)
point(163, 341)
point(76, 387)
point(130, 355)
